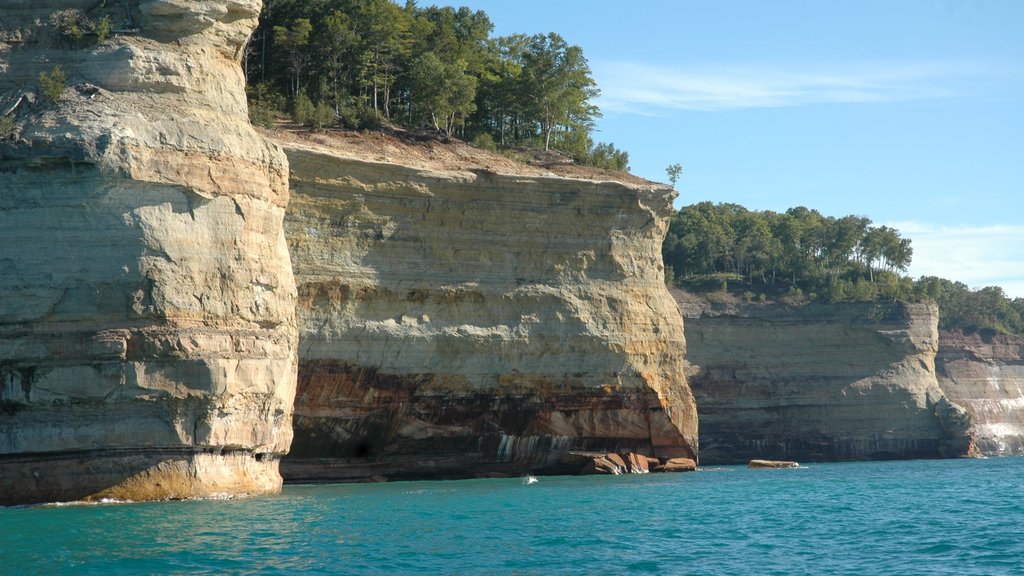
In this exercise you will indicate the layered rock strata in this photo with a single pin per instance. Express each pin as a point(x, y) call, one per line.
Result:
point(468, 323)
point(147, 333)
point(984, 372)
point(819, 382)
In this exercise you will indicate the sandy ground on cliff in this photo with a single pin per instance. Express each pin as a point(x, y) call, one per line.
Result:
point(435, 152)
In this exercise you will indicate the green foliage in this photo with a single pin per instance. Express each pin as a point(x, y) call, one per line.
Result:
point(801, 256)
point(835, 259)
point(77, 30)
point(103, 29)
point(674, 171)
point(484, 141)
point(971, 310)
point(607, 156)
point(376, 63)
point(264, 105)
point(558, 85)
point(323, 115)
point(303, 110)
point(670, 276)
point(52, 84)
point(442, 92)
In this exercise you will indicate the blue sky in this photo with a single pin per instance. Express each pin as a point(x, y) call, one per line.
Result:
point(908, 112)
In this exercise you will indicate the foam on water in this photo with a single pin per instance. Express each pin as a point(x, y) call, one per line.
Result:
point(923, 517)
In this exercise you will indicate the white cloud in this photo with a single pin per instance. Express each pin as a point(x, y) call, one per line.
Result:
point(978, 256)
point(646, 89)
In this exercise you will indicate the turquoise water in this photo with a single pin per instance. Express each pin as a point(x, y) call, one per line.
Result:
point(922, 517)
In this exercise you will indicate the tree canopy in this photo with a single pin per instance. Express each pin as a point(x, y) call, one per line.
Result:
point(800, 246)
point(373, 62)
point(814, 257)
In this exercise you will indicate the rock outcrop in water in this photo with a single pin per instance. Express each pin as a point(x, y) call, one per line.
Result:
point(469, 323)
point(147, 333)
point(819, 382)
point(984, 372)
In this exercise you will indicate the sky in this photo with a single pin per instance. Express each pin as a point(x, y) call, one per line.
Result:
point(908, 112)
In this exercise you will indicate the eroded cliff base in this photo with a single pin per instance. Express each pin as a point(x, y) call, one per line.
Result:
point(137, 475)
point(354, 423)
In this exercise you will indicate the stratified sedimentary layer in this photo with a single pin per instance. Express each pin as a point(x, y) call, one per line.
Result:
point(458, 324)
point(819, 382)
point(147, 333)
point(984, 372)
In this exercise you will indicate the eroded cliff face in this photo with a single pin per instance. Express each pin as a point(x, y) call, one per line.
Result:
point(819, 382)
point(465, 323)
point(984, 373)
point(147, 334)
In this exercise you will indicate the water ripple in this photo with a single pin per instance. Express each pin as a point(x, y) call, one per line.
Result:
point(931, 517)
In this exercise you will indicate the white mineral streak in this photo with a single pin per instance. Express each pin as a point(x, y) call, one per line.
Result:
point(984, 372)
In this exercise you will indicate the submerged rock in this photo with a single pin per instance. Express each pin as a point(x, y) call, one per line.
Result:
point(772, 464)
point(678, 465)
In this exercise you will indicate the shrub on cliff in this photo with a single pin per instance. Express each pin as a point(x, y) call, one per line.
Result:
point(52, 84)
point(77, 30)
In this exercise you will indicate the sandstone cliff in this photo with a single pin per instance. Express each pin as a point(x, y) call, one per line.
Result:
point(984, 373)
point(147, 333)
point(819, 382)
point(459, 323)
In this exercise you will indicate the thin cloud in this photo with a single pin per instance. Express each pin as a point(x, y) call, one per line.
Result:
point(978, 256)
point(645, 89)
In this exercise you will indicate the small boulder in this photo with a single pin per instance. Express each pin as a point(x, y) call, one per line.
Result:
point(773, 464)
point(636, 463)
point(679, 465)
point(605, 464)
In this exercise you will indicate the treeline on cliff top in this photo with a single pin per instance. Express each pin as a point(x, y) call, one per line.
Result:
point(800, 255)
point(366, 64)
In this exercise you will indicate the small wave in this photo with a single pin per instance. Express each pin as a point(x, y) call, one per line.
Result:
point(100, 502)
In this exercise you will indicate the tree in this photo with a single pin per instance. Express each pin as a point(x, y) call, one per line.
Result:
point(294, 41)
point(443, 91)
point(337, 42)
point(557, 78)
point(674, 171)
point(385, 31)
point(500, 97)
point(606, 155)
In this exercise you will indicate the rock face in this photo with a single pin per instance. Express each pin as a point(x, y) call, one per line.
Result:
point(466, 323)
point(147, 333)
point(984, 372)
point(819, 382)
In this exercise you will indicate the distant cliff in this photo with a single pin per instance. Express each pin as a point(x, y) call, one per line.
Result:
point(819, 382)
point(147, 333)
point(466, 323)
point(984, 372)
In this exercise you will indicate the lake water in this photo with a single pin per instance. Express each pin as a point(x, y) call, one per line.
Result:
point(919, 517)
